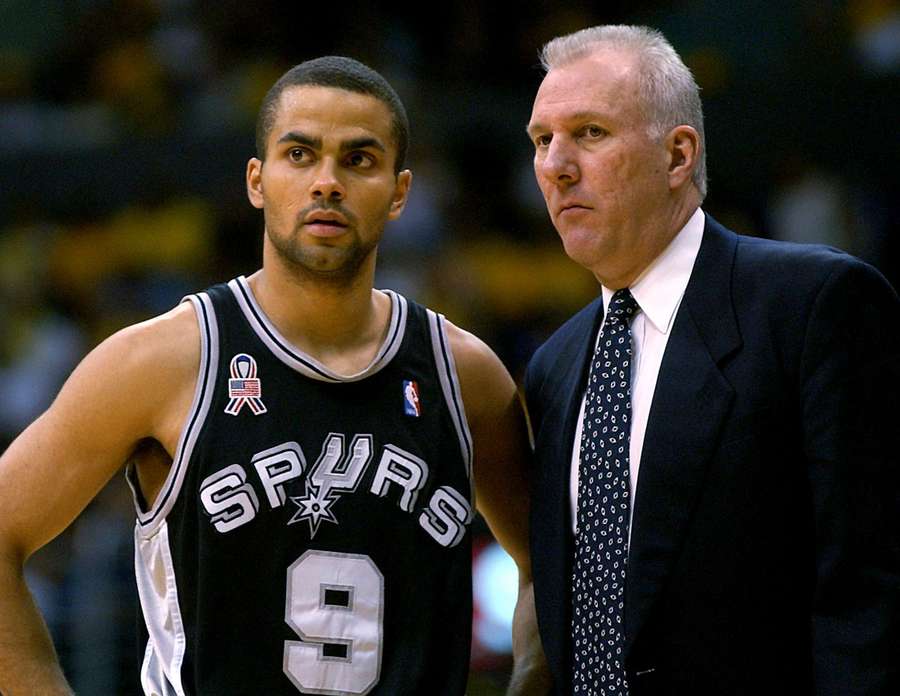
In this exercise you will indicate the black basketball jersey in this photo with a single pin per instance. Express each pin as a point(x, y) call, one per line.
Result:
point(312, 534)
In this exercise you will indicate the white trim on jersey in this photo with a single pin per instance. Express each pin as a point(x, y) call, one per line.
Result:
point(295, 358)
point(446, 367)
point(149, 520)
point(158, 593)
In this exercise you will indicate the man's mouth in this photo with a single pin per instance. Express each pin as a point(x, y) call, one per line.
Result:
point(328, 218)
point(325, 223)
point(572, 208)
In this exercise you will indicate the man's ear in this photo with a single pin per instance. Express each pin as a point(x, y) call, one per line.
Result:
point(401, 193)
point(254, 182)
point(683, 145)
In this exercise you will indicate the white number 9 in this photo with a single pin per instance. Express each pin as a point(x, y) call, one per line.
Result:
point(335, 604)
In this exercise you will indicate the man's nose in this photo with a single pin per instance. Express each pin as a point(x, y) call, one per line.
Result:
point(559, 165)
point(327, 184)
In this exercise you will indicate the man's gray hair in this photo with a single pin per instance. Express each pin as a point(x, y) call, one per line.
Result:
point(669, 94)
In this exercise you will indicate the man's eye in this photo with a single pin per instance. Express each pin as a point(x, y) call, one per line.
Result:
point(594, 131)
point(360, 160)
point(542, 141)
point(297, 154)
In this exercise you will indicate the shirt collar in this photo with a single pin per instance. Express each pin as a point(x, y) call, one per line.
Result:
point(659, 289)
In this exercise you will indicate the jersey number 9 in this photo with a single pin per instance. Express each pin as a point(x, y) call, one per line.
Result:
point(335, 604)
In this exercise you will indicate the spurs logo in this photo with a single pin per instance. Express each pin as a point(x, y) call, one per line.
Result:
point(235, 496)
point(332, 475)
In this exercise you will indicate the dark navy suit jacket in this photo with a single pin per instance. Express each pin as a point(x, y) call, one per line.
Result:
point(764, 552)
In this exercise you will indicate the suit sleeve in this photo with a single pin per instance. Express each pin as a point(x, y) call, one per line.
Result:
point(850, 381)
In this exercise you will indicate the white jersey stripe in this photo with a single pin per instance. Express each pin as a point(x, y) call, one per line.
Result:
point(295, 358)
point(446, 367)
point(203, 394)
point(158, 593)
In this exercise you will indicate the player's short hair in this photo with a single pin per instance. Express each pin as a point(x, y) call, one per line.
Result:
point(668, 92)
point(342, 73)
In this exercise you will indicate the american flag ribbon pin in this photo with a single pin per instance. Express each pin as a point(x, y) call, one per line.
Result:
point(244, 387)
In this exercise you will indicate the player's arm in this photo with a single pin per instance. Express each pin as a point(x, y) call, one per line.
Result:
point(129, 388)
point(502, 453)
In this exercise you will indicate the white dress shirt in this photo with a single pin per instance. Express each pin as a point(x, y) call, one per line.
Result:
point(658, 292)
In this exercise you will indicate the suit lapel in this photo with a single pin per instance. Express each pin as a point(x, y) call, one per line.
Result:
point(689, 405)
point(573, 390)
point(571, 367)
point(561, 413)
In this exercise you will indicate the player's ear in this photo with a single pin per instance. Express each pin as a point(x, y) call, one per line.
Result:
point(254, 182)
point(401, 192)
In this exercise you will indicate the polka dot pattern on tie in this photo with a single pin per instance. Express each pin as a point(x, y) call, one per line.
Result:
point(601, 540)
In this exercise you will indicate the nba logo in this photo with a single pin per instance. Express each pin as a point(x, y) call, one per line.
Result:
point(411, 406)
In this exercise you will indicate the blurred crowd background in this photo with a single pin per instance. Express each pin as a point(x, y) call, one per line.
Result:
point(125, 128)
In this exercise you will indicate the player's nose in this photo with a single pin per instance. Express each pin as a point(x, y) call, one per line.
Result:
point(327, 183)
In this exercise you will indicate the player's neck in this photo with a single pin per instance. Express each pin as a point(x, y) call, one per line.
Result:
point(342, 326)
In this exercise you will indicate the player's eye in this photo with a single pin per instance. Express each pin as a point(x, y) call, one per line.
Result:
point(298, 155)
point(542, 140)
point(360, 160)
point(593, 131)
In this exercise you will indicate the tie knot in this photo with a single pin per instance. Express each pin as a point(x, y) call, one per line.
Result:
point(622, 306)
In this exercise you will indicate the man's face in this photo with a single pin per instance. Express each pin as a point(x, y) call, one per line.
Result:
point(327, 186)
point(603, 178)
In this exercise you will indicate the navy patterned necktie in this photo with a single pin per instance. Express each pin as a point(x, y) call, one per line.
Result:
point(601, 540)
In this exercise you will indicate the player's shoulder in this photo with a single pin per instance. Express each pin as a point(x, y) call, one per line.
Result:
point(470, 353)
point(465, 345)
point(482, 375)
point(134, 381)
point(164, 347)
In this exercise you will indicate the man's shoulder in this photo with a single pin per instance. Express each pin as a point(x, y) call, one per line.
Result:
point(758, 250)
point(574, 328)
point(134, 385)
point(803, 270)
point(156, 356)
point(470, 353)
point(564, 344)
point(775, 291)
point(781, 266)
point(174, 334)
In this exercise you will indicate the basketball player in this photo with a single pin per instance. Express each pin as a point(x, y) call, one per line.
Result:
point(304, 451)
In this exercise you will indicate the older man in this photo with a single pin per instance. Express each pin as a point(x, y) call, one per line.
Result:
point(716, 491)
